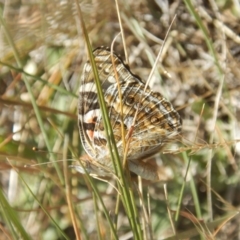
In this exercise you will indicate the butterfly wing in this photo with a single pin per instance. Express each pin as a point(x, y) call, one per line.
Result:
point(151, 119)
point(91, 128)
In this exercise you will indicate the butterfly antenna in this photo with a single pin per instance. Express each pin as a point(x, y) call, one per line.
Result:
point(36, 149)
point(40, 164)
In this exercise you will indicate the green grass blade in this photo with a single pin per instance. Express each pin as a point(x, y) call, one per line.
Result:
point(124, 186)
point(12, 219)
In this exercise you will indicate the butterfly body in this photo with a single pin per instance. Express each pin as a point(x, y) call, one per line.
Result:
point(148, 119)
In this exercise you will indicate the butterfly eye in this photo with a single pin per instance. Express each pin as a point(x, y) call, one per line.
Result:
point(129, 100)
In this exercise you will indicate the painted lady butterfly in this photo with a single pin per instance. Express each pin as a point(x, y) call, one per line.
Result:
point(156, 123)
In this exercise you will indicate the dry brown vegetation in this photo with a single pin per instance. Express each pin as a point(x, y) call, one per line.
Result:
point(42, 53)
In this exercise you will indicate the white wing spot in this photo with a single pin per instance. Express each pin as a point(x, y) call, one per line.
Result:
point(87, 68)
point(111, 79)
point(88, 87)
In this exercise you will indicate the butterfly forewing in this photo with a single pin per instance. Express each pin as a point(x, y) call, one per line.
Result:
point(153, 119)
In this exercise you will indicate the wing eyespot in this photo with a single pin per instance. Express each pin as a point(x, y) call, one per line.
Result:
point(99, 66)
point(155, 120)
point(101, 127)
point(106, 71)
point(130, 100)
point(147, 110)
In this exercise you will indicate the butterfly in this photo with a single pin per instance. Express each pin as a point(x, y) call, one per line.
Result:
point(151, 118)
